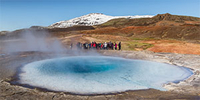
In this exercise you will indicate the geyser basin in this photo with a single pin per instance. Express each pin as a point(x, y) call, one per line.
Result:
point(97, 75)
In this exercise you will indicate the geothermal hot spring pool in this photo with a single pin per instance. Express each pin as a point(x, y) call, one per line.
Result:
point(99, 74)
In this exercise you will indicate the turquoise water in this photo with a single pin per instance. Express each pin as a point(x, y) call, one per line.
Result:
point(96, 75)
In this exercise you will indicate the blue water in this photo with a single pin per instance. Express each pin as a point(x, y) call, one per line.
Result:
point(96, 75)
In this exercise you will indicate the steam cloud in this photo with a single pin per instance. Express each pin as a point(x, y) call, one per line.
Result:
point(32, 40)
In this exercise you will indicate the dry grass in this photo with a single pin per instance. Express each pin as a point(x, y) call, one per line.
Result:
point(174, 46)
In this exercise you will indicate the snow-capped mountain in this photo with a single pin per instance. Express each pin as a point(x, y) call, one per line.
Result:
point(91, 19)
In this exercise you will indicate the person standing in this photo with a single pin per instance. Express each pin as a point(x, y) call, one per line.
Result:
point(89, 45)
point(105, 45)
point(86, 45)
point(112, 46)
point(78, 45)
point(92, 44)
point(101, 45)
point(115, 46)
point(81, 45)
point(71, 45)
point(119, 45)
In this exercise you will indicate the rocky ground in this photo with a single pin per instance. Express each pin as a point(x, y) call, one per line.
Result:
point(188, 89)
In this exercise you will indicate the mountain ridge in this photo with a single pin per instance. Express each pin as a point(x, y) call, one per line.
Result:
point(159, 26)
point(90, 20)
point(177, 19)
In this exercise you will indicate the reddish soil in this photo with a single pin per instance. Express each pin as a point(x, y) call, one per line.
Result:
point(174, 46)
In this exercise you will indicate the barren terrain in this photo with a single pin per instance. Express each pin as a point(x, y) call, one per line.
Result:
point(164, 38)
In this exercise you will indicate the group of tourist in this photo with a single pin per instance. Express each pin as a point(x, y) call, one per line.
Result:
point(100, 46)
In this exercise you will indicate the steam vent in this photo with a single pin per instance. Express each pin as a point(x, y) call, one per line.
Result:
point(99, 74)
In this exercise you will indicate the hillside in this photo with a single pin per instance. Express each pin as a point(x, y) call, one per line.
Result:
point(39, 29)
point(157, 32)
point(161, 26)
point(161, 33)
point(170, 20)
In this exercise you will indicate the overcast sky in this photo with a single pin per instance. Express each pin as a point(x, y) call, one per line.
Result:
point(17, 14)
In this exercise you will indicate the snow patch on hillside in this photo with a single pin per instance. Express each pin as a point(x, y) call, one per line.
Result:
point(91, 19)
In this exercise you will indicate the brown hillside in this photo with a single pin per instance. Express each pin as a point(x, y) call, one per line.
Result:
point(166, 19)
point(161, 26)
point(176, 18)
point(160, 32)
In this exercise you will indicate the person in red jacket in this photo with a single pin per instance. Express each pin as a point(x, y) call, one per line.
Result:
point(115, 46)
point(101, 45)
point(94, 45)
